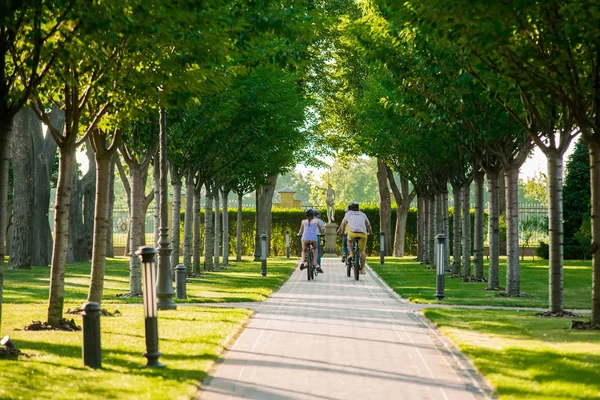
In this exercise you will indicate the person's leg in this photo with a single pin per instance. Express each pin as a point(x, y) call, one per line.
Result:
point(344, 246)
point(319, 251)
point(304, 246)
point(351, 247)
point(362, 245)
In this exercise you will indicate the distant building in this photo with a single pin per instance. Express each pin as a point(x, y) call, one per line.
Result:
point(286, 199)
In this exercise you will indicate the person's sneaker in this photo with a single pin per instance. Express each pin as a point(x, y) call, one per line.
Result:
point(319, 270)
point(302, 266)
point(344, 259)
point(362, 271)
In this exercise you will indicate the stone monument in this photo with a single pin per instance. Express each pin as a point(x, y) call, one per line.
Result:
point(330, 227)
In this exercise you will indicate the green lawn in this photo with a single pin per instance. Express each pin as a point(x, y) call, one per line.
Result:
point(191, 337)
point(523, 356)
point(414, 282)
point(239, 282)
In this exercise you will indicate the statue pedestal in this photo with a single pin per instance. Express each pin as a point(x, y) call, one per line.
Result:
point(330, 249)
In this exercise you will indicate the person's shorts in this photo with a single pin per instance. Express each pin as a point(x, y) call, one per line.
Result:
point(362, 239)
point(306, 242)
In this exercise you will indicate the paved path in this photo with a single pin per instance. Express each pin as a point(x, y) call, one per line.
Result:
point(337, 338)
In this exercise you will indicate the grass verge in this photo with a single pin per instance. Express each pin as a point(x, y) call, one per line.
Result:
point(414, 282)
point(523, 356)
point(191, 338)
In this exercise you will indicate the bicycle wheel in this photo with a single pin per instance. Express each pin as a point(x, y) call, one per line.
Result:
point(348, 265)
point(310, 263)
point(357, 265)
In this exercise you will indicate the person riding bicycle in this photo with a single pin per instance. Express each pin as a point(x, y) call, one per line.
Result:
point(345, 241)
point(358, 228)
point(308, 230)
point(319, 247)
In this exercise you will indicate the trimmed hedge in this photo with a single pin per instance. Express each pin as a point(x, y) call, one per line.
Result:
point(289, 219)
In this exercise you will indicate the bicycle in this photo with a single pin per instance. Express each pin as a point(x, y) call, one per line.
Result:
point(354, 261)
point(311, 270)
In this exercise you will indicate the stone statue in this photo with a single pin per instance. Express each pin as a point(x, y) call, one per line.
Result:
point(330, 201)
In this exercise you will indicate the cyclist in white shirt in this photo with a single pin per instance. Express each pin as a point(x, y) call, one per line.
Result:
point(358, 228)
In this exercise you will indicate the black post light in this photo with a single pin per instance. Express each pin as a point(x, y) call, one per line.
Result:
point(92, 350)
point(180, 281)
point(263, 254)
point(149, 277)
point(381, 247)
point(287, 243)
point(440, 267)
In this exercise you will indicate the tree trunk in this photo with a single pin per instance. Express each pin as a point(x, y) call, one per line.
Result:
point(175, 218)
point(445, 227)
point(421, 223)
point(385, 206)
point(103, 163)
point(594, 151)
point(110, 249)
point(263, 210)
point(502, 208)
point(5, 142)
point(403, 199)
point(23, 187)
point(209, 231)
point(493, 232)
point(238, 235)
point(197, 231)
point(83, 200)
point(136, 214)
point(188, 222)
point(431, 229)
point(217, 217)
point(225, 228)
point(513, 279)
point(555, 230)
point(479, 226)
point(456, 231)
point(466, 230)
point(45, 149)
point(61, 233)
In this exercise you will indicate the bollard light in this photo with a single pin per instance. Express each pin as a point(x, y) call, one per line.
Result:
point(263, 254)
point(381, 247)
point(257, 247)
point(92, 350)
point(6, 342)
point(287, 244)
point(180, 281)
point(440, 266)
point(149, 277)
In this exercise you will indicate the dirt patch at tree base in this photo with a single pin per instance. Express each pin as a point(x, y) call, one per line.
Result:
point(472, 279)
point(560, 314)
point(63, 325)
point(521, 295)
point(104, 312)
point(129, 295)
point(584, 326)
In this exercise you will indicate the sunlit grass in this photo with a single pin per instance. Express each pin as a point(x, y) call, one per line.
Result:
point(523, 356)
point(191, 337)
point(414, 282)
point(241, 281)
